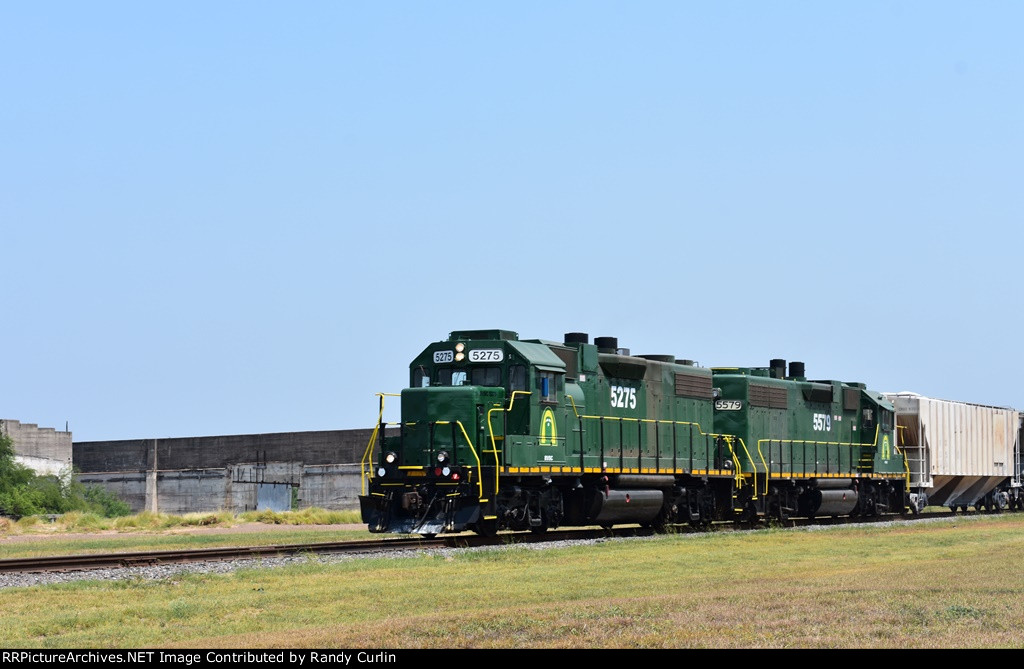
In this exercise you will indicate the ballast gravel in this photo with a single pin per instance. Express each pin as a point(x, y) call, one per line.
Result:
point(170, 571)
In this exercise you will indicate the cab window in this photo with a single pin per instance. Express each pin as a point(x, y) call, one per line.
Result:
point(420, 378)
point(548, 384)
point(446, 376)
point(485, 376)
point(517, 377)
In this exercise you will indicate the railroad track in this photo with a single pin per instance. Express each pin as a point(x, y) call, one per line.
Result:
point(151, 558)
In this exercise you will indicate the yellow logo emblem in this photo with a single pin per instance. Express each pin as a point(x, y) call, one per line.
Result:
point(886, 448)
point(548, 431)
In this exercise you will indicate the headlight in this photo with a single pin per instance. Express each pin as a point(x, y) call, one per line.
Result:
point(442, 456)
point(381, 472)
point(390, 457)
point(446, 471)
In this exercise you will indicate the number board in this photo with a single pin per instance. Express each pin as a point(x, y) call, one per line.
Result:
point(486, 355)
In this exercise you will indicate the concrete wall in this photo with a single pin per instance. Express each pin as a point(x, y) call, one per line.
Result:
point(190, 490)
point(44, 449)
point(318, 448)
point(226, 472)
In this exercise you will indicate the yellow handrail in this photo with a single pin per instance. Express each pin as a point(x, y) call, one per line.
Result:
point(366, 462)
point(751, 458)
point(513, 398)
point(727, 438)
point(728, 441)
point(767, 474)
point(490, 431)
point(850, 444)
point(494, 445)
point(896, 445)
point(365, 465)
point(479, 479)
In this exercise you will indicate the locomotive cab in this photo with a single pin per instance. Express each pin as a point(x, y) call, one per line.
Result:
point(438, 469)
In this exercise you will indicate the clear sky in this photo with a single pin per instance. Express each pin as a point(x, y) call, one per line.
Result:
point(239, 217)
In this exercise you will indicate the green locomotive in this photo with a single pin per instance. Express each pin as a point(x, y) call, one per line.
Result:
point(824, 448)
point(502, 433)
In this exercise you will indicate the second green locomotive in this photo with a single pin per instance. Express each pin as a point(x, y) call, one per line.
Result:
point(502, 433)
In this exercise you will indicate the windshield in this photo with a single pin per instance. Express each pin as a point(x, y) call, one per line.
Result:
point(476, 376)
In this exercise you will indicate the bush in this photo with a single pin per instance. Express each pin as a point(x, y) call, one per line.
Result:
point(24, 493)
point(16, 499)
point(105, 503)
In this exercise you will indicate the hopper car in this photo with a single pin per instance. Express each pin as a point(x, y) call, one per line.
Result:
point(960, 454)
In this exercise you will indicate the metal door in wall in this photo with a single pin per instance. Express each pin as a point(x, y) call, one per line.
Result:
point(273, 497)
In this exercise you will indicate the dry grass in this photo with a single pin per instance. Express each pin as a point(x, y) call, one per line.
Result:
point(310, 516)
point(77, 521)
point(149, 531)
point(31, 546)
point(943, 584)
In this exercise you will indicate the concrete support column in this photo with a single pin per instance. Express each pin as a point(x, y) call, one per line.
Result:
point(151, 488)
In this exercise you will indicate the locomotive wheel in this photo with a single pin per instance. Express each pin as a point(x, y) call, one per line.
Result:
point(778, 513)
point(658, 526)
point(748, 515)
point(539, 529)
point(952, 510)
point(486, 528)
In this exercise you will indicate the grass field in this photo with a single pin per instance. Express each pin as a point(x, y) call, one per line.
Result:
point(32, 537)
point(950, 583)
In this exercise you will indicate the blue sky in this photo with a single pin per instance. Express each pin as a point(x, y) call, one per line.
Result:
point(231, 217)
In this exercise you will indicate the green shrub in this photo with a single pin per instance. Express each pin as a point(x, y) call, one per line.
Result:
point(25, 493)
point(104, 502)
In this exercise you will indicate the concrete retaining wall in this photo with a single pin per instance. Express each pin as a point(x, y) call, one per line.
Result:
point(214, 473)
point(233, 489)
point(315, 448)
